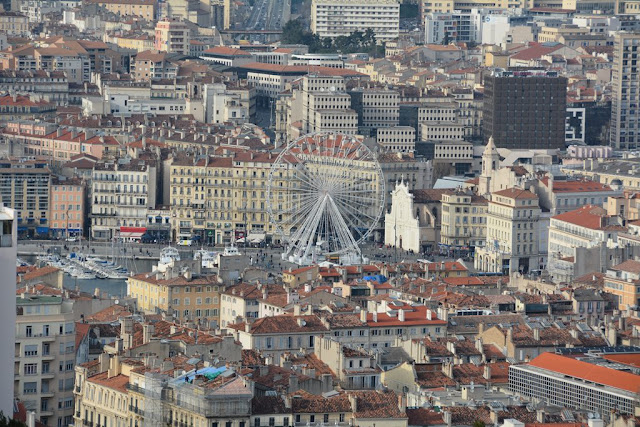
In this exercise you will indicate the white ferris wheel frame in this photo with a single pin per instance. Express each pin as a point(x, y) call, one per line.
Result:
point(328, 206)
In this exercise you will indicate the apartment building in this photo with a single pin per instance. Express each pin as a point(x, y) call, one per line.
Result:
point(173, 36)
point(451, 6)
point(222, 105)
point(122, 191)
point(8, 254)
point(625, 93)
point(121, 391)
point(152, 64)
point(584, 227)
point(223, 199)
point(535, 118)
point(397, 138)
point(14, 24)
point(577, 384)
point(25, 187)
point(68, 197)
point(561, 196)
point(512, 233)
point(623, 281)
point(190, 297)
point(626, 206)
point(52, 86)
point(144, 8)
point(376, 108)
point(435, 113)
point(45, 356)
point(464, 221)
point(331, 18)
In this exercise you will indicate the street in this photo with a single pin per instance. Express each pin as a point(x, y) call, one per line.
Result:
point(269, 14)
point(139, 251)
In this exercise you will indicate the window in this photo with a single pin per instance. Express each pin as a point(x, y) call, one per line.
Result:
point(30, 388)
point(30, 368)
point(29, 331)
point(30, 350)
point(325, 418)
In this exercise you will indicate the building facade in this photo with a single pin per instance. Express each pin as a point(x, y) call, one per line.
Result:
point(512, 233)
point(464, 220)
point(332, 18)
point(45, 345)
point(625, 124)
point(121, 193)
point(67, 207)
point(25, 186)
point(525, 109)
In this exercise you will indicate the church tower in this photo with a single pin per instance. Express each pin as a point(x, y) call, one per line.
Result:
point(490, 164)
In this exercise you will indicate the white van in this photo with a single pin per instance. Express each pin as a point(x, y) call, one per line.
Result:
point(185, 242)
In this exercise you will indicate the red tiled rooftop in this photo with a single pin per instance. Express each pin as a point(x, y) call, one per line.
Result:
point(588, 371)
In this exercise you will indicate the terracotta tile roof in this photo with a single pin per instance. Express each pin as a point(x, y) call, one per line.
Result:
point(588, 371)
point(588, 216)
point(434, 348)
point(304, 402)
point(109, 314)
point(431, 376)
point(338, 321)
point(377, 404)
point(576, 186)
point(82, 329)
point(117, 382)
point(275, 377)
point(37, 273)
point(536, 50)
point(265, 405)
point(424, 417)
point(252, 358)
point(630, 265)
point(461, 415)
point(151, 55)
point(285, 323)
point(416, 317)
point(516, 193)
point(311, 361)
point(631, 359)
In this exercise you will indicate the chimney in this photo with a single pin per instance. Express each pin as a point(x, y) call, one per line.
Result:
point(447, 418)
point(536, 334)
point(540, 418)
point(401, 315)
point(487, 372)
point(147, 332)
point(622, 323)
point(429, 314)
point(363, 315)
point(103, 360)
point(375, 317)
point(296, 307)
point(264, 370)
point(293, 383)
point(353, 401)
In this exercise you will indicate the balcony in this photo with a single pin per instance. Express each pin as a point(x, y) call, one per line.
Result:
point(86, 423)
point(47, 393)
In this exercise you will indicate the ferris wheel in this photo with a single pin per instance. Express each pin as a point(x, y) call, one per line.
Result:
point(325, 195)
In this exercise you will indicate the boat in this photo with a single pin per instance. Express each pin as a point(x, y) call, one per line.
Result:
point(207, 258)
point(85, 275)
point(231, 250)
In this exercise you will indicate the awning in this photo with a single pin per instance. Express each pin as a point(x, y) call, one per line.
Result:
point(256, 237)
point(132, 230)
point(22, 228)
point(42, 230)
point(131, 235)
point(240, 240)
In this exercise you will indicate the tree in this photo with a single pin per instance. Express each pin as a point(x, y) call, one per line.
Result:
point(293, 32)
point(478, 423)
point(6, 422)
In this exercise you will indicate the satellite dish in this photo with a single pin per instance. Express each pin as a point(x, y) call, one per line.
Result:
point(332, 88)
point(117, 301)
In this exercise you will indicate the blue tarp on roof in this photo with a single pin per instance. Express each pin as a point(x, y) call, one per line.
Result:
point(210, 372)
point(377, 278)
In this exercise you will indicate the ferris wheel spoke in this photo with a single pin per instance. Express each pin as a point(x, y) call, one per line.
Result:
point(353, 215)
